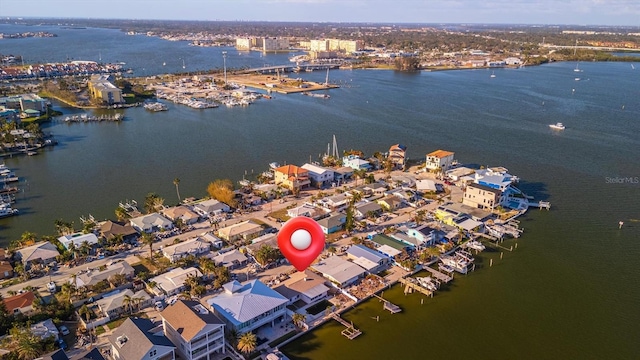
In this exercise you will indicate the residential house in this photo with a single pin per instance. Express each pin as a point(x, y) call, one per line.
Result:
point(42, 253)
point(92, 277)
point(172, 282)
point(266, 239)
point(336, 202)
point(20, 304)
point(211, 207)
point(425, 235)
point(448, 212)
point(332, 223)
point(495, 178)
point(426, 186)
point(366, 209)
point(45, 329)
point(292, 177)
point(101, 88)
point(6, 270)
point(78, 239)
point(151, 223)
point(196, 332)
point(320, 177)
point(342, 174)
point(373, 189)
point(439, 160)
point(233, 259)
point(390, 203)
point(195, 247)
point(248, 306)
point(340, 271)
point(245, 230)
point(398, 155)
point(390, 246)
point(181, 212)
point(117, 303)
point(307, 210)
point(481, 196)
point(305, 286)
point(140, 339)
point(370, 260)
point(214, 240)
point(110, 229)
point(354, 162)
point(92, 354)
point(459, 172)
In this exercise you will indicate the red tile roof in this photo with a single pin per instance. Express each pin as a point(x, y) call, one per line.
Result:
point(19, 301)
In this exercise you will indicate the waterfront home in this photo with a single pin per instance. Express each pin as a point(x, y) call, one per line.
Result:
point(459, 172)
point(448, 212)
point(111, 229)
point(45, 329)
point(292, 177)
point(397, 155)
point(390, 246)
point(40, 253)
point(78, 239)
point(172, 282)
point(214, 240)
point(495, 178)
point(181, 212)
point(195, 247)
point(20, 304)
point(333, 223)
point(439, 160)
point(244, 307)
point(339, 270)
point(101, 89)
point(424, 234)
point(138, 338)
point(307, 210)
point(370, 260)
point(405, 238)
point(336, 202)
point(92, 277)
point(115, 304)
point(390, 203)
point(304, 286)
point(245, 230)
point(367, 209)
point(151, 223)
point(269, 191)
point(481, 196)
point(233, 259)
point(6, 270)
point(211, 207)
point(354, 162)
point(342, 174)
point(196, 332)
point(320, 177)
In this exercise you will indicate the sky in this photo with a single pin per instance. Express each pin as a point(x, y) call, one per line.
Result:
point(575, 12)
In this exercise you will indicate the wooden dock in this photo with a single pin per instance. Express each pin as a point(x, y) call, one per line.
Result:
point(412, 284)
point(440, 276)
point(350, 332)
point(388, 305)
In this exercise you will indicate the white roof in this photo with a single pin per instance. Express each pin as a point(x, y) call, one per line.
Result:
point(470, 224)
point(77, 239)
point(243, 302)
point(192, 246)
point(338, 269)
point(365, 263)
point(175, 278)
point(229, 257)
point(42, 250)
point(426, 184)
point(316, 169)
point(115, 300)
point(211, 205)
point(93, 277)
point(147, 222)
point(386, 249)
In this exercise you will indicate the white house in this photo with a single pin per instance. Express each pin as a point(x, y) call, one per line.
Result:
point(307, 210)
point(196, 332)
point(440, 160)
point(211, 207)
point(114, 305)
point(339, 270)
point(248, 306)
point(356, 163)
point(151, 223)
point(320, 176)
point(193, 247)
point(78, 239)
point(172, 282)
point(370, 260)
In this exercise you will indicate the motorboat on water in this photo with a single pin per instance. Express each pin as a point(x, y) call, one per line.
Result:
point(557, 126)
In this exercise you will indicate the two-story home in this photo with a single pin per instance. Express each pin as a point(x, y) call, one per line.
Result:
point(354, 162)
point(303, 285)
point(320, 177)
point(333, 223)
point(196, 332)
point(424, 234)
point(336, 202)
point(397, 155)
point(151, 223)
point(439, 160)
point(140, 339)
point(292, 177)
point(248, 306)
point(481, 196)
point(195, 247)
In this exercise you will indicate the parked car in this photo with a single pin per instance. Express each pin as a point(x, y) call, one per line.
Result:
point(62, 344)
point(64, 330)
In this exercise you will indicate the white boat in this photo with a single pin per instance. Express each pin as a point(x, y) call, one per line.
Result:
point(577, 79)
point(557, 126)
point(156, 106)
point(6, 210)
point(493, 74)
point(577, 69)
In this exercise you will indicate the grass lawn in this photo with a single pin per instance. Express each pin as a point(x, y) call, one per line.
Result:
point(140, 267)
point(280, 215)
point(100, 330)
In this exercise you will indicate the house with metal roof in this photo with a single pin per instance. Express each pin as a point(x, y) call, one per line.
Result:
point(306, 286)
point(151, 223)
point(370, 260)
point(339, 270)
point(211, 207)
point(42, 252)
point(320, 176)
point(196, 332)
point(247, 306)
point(139, 338)
point(195, 247)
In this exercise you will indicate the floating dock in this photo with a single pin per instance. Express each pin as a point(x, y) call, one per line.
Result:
point(350, 332)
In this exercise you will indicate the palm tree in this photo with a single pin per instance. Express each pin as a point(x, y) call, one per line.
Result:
point(298, 320)
point(121, 213)
point(148, 239)
point(176, 182)
point(247, 342)
point(359, 174)
point(127, 302)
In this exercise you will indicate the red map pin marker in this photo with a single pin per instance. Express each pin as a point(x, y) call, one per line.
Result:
point(301, 240)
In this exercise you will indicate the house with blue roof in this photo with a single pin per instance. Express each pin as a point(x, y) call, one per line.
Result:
point(247, 306)
point(371, 260)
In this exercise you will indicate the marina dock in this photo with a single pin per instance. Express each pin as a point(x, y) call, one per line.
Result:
point(440, 276)
point(388, 305)
point(350, 332)
point(412, 284)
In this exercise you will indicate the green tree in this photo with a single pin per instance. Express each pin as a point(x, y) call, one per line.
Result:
point(267, 254)
point(153, 203)
point(298, 320)
point(148, 239)
point(121, 214)
point(247, 342)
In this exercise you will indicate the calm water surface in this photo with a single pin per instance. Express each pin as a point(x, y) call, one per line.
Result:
point(567, 292)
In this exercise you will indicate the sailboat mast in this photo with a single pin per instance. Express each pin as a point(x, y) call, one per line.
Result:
point(326, 80)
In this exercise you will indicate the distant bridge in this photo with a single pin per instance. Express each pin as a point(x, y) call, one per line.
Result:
point(287, 68)
point(602, 48)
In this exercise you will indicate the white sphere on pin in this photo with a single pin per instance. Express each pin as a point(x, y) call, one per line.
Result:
point(301, 239)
